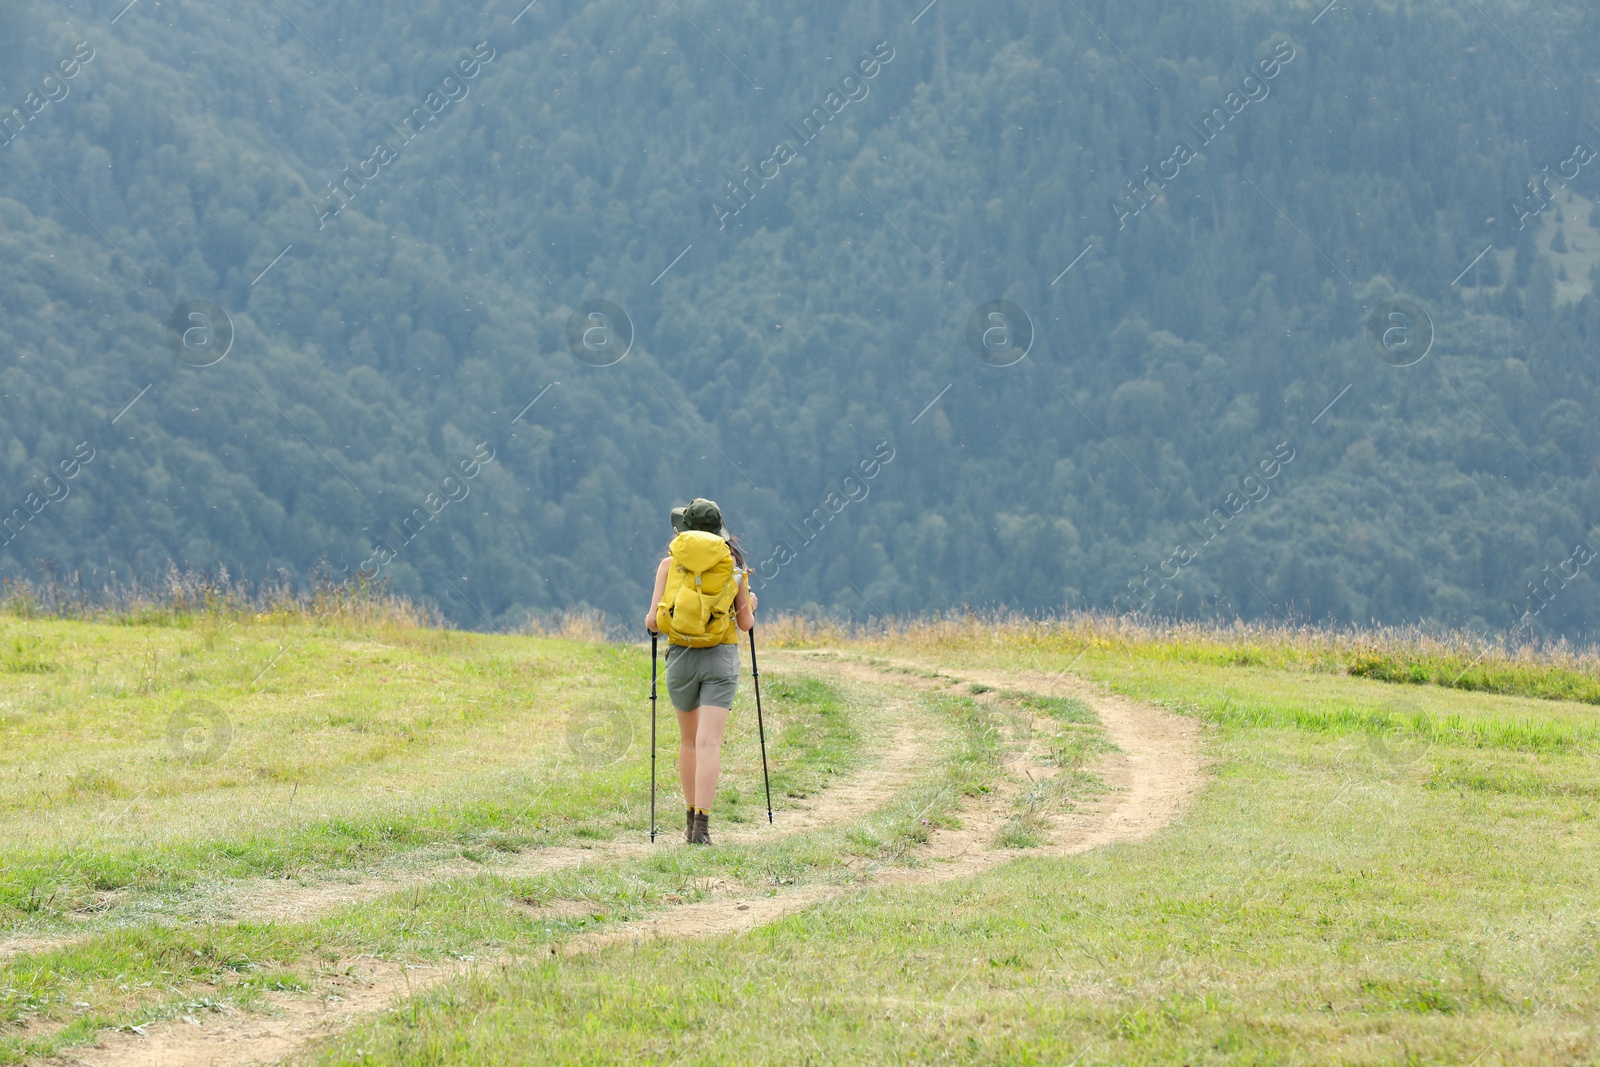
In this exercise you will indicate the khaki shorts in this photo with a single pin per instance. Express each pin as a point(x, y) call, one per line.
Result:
point(697, 676)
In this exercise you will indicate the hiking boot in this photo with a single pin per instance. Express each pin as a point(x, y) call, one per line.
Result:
point(688, 828)
point(700, 832)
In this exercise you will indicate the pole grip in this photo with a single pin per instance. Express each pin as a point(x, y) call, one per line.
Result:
point(654, 637)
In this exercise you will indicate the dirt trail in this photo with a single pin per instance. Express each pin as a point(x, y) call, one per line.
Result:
point(1156, 769)
point(281, 900)
point(857, 794)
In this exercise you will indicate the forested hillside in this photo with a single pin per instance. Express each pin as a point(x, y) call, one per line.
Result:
point(800, 217)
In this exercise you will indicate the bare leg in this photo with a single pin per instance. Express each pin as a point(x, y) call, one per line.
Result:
point(708, 752)
point(687, 723)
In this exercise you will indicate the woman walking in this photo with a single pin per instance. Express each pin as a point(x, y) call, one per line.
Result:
point(702, 601)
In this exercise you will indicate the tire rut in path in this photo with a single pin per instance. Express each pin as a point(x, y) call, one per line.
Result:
point(364, 985)
point(280, 900)
point(1156, 769)
point(853, 795)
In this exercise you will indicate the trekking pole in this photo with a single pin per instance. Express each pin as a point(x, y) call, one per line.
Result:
point(654, 637)
point(761, 729)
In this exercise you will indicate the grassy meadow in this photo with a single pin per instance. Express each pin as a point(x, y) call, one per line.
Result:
point(1376, 871)
point(157, 776)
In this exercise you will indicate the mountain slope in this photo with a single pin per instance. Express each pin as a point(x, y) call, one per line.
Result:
point(815, 319)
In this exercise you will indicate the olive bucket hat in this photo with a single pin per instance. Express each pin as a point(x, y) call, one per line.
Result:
point(699, 514)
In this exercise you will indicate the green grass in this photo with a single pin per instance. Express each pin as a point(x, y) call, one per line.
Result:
point(1376, 873)
point(343, 750)
point(346, 749)
point(352, 750)
point(1551, 670)
point(1549, 681)
point(1335, 705)
point(231, 964)
point(1373, 876)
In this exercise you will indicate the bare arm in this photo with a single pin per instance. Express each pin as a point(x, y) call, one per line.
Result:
point(655, 598)
point(744, 605)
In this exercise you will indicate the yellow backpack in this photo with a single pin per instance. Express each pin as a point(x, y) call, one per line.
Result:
point(697, 607)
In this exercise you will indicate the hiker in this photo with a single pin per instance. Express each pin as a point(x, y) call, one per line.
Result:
point(702, 601)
